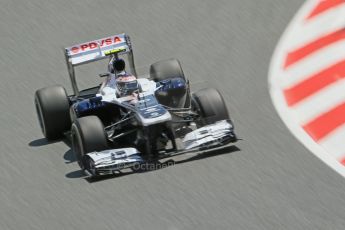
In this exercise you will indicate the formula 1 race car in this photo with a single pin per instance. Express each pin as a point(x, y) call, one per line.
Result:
point(158, 117)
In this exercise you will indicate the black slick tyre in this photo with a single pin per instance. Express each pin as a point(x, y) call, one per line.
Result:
point(210, 105)
point(88, 135)
point(52, 107)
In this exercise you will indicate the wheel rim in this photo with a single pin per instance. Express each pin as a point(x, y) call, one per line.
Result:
point(196, 108)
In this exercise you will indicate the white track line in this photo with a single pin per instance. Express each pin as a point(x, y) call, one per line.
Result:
point(335, 144)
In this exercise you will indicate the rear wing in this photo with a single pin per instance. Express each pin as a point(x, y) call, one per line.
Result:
point(93, 51)
point(97, 49)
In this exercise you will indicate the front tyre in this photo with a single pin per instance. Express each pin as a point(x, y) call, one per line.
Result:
point(88, 135)
point(210, 106)
point(171, 69)
point(52, 107)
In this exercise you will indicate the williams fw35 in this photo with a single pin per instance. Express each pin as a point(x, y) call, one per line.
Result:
point(131, 119)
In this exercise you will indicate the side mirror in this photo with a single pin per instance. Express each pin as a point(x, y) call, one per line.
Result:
point(104, 74)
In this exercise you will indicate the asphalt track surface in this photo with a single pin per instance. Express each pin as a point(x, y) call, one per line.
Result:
point(270, 182)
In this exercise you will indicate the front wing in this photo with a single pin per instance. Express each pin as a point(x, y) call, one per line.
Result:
point(211, 137)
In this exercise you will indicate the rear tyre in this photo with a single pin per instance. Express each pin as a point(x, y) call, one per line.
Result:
point(88, 135)
point(166, 69)
point(209, 104)
point(52, 107)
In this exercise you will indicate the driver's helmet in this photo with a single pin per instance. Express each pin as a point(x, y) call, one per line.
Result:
point(126, 85)
point(119, 65)
point(116, 65)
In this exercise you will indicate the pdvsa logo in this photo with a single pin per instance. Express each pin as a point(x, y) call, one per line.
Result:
point(95, 44)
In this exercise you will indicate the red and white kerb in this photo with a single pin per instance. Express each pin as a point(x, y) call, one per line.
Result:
point(307, 78)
